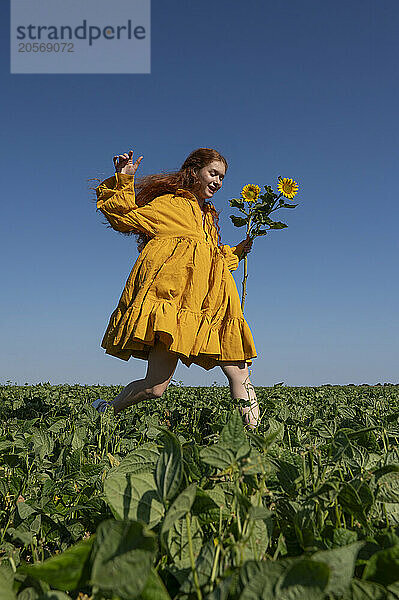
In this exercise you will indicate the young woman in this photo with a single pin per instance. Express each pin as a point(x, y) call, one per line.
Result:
point(180, 300)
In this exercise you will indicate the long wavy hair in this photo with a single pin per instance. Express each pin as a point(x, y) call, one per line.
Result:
point(148, 187)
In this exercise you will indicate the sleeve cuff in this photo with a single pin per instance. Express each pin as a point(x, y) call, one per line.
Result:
point(122, 179)
point(230, 256)
point(117, 193)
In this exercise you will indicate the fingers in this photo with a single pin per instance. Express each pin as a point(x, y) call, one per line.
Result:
point(246, 245)
point(136, 164)
point(126, 160)
point(120, 160)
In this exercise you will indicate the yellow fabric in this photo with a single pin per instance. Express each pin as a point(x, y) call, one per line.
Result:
point(180, 287)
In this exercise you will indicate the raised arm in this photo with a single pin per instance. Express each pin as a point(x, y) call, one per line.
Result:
point(116, 199)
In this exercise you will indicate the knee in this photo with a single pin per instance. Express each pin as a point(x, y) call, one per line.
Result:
point(237, 374)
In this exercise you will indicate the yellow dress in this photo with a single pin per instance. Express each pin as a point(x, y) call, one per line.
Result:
point(180, 288)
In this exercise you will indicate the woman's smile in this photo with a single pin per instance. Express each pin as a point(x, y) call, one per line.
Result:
point(210, 178)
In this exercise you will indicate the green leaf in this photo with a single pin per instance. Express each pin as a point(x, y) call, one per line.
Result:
point(365, 590)
point(232, 435)
point(342, 565)
point(255, 463)
point(366, 496)
point(259, 538)
point(203, 566)
point(28, 593)
point(180, 507)
point(351, 502)
point(338, 537)
point(221, 591)
point(393, 592)
point(304, 580)
point(142, 460)
point(24, 510)
point(208, 504)
point(236, 203)
point(305, 523)
point(217, 456)
point(177, 542)
point(64, 571)
point(260, 217)
point(287, 475)
point(43, 445)
point(26, 537)
point(393, 468)
point(278, 225)
point(6, 584)
point(205, 507)
point(392, 511)
point(258, 579)
point(388, 486)
point(383, 566)
point(124, 554)
point(238, 221)
point(79, 438)
point(169, 469)
point(274, 433)
point(134, 497)
point(154, 588)
point(242, 500)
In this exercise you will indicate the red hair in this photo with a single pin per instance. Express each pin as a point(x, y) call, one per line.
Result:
point(149, 187)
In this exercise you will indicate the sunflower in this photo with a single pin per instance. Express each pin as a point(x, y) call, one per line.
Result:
point(288, 187)
point(250, 192)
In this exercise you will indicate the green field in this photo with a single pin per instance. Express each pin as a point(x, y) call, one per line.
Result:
point(175, 499)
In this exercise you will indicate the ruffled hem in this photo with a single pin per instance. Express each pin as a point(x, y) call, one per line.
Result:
point(192, 336)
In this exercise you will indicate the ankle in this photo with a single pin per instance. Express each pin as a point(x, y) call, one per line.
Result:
point(131, 398)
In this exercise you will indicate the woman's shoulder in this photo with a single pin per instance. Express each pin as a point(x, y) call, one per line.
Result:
point(162, 198)
point(182, 193)
point(178, 199)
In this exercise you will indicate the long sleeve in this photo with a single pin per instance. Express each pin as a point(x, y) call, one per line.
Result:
point(116, 200)
point(230, 256)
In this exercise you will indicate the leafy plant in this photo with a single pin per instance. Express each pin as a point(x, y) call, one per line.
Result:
point(178, 501)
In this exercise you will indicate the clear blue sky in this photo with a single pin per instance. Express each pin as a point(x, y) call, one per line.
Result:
point(307, 90)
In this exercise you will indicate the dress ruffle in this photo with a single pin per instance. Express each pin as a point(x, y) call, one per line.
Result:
point(190, 335)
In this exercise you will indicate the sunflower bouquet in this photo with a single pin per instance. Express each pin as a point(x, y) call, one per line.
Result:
point(257, 212)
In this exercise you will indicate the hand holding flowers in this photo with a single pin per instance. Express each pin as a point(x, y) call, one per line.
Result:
point(244, 247)
point(257, 211)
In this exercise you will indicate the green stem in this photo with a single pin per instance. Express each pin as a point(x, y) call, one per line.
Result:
point(215, 564)
point(192, 561)
point(5, 529)
point(244, 281)
point(337, 513)
point(305, 482)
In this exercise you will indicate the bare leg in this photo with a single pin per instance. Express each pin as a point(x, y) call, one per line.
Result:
point(241, 387)
point(161, 366)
